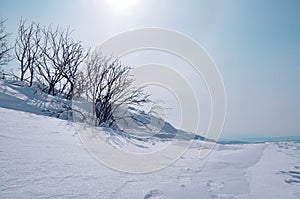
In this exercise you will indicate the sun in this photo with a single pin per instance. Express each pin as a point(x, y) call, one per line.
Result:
point(122, 7)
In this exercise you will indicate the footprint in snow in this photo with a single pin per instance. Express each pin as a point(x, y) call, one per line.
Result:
point(212, 186)
point(153, 194)
point(294, 177)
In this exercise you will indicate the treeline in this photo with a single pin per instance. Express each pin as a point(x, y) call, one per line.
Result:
point(46, 55)
point(50, 58)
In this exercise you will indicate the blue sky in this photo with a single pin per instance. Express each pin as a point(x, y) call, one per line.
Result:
point(255, 44)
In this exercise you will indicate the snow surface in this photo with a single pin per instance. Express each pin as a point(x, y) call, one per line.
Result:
point(43, 157)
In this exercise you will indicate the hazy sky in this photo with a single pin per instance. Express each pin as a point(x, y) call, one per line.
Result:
point(255, 44)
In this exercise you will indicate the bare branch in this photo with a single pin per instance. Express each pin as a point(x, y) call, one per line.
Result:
point(27, 49)
point(61, 57)
point(108, 86)
point(5, 57)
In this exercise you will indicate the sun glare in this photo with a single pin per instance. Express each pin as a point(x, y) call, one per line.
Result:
point(122, 7)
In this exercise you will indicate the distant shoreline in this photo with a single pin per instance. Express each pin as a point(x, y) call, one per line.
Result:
point(253, 140)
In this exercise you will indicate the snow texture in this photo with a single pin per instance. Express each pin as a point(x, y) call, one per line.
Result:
point(43, 157)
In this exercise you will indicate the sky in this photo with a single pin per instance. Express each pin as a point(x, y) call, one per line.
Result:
point(255, 45)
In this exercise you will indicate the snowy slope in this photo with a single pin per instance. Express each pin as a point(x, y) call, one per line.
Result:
point(43, 157)
point(15, 95)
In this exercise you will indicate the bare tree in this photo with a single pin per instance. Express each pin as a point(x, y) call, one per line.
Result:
point(92, 76)
point(61, 56)
point(27, 48)
point(4, 47)
point(109, 86)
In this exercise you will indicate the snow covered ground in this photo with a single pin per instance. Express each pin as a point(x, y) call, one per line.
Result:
point(43, 157)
